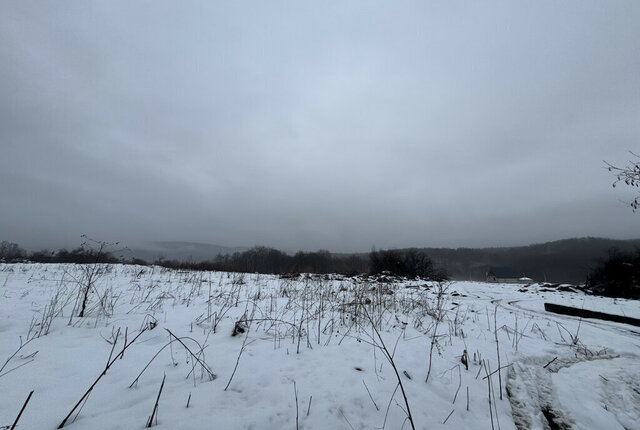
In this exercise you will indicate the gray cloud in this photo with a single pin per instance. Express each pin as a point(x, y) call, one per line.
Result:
point(310, 125)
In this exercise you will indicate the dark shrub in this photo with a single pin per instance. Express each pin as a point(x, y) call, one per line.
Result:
point(411, 263)
point(617, 276)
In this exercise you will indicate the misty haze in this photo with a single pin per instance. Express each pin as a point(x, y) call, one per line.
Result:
point(320, 215)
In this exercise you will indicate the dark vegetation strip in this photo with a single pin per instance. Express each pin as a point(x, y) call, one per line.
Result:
point(411, 263)
point(584, 313)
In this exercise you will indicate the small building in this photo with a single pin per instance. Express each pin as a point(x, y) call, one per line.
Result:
point(506, 275)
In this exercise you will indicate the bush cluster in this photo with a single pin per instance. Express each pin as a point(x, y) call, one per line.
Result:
point(617, 276)
point(411, 263)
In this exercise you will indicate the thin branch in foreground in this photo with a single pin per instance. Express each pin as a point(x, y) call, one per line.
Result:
point(15, 423)
point(155, 407)
point(393, 365)
point(22, 345)
point(503, 367)
point(448, 416)
point(244, 344)
point(171, 340)
point(212, 375)
point(370, 396)
point(489, 393)
point(386, 414)
point(295, 392)
point(467, 398)
point(109, 364)
point(495, 326)
point(547, 365)
point(345, 418)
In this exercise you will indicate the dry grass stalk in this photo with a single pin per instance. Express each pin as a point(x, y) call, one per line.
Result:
point(15, 423)
point(155, 407)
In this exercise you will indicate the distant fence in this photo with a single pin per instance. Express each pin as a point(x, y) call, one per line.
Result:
point(583, 313)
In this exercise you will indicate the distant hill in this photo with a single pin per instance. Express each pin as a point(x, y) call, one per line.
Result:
point(560, 261)
point(568, 260)
point(181, 251)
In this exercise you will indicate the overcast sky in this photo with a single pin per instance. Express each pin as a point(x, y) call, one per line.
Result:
point(303, 125)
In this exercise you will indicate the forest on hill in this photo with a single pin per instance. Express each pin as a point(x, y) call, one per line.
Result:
point(561, 261)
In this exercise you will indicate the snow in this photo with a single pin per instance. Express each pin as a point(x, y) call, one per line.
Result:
point(584, 373)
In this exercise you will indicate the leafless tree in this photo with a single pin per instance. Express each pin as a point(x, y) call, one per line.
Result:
point(629, 175)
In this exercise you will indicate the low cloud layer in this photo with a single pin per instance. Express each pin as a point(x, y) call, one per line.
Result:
point(308, 125)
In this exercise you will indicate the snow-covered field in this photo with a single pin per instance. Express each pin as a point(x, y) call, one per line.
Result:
point(325, 336)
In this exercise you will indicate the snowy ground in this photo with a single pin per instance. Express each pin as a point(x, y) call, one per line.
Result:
point(319, 333)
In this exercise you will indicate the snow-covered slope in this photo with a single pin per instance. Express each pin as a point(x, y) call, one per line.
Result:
point(322, 335)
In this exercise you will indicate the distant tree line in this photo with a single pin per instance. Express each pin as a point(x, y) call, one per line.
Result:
point(12, 253)
point(272, 261)
point(410, 263)
point(617, 275)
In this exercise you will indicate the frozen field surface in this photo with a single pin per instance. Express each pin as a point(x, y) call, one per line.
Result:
point(310, 352)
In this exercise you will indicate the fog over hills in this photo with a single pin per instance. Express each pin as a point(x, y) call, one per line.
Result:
point(181, 251)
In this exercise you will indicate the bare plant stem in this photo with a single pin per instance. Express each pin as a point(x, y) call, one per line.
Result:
point(370, 396)
point(433, 343)
point(15, 423)
point(495, 325)
point(295, 392)
point(155, 407)
point(345, 418)
point(448, 416)
point(244, 343)
point(459, 385)
point(489, 396)
point(393, 365)
point(547, 365)
point(467, 398)
point(212, 376)
point(22, 345)
point(495, 371)
point(109, 364)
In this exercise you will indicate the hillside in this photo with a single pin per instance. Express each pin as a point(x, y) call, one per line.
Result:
point(568, 260)
point(561, 261)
